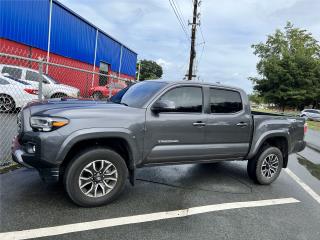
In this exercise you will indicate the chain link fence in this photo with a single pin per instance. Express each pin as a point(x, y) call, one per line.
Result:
point(25, 78)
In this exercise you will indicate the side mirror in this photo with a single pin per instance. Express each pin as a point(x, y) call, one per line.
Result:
point(163, 106)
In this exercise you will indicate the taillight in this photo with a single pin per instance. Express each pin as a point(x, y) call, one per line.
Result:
point(31, 91)
point(305, 127)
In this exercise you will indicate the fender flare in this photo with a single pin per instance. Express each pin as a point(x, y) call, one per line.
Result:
point(270, 134)
point(96, 133)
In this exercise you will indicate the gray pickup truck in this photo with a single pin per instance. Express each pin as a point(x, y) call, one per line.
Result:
point(95, 146)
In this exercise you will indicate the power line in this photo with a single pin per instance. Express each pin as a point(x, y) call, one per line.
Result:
point(202, 50)
point(199, 59)
point(178, 13)
point(176, 3)
point(204, 41)
point(175, 10)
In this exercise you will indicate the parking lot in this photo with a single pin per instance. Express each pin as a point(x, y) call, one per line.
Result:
point(232, 207)
point(8, 129)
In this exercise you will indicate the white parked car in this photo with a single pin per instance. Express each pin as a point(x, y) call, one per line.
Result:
point(311, 114)
point(50, 87)
point(15, 93)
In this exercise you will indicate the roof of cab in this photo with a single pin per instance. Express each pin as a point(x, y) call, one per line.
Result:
point(192, 82)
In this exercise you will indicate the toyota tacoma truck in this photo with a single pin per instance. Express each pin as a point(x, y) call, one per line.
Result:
point(93, 147)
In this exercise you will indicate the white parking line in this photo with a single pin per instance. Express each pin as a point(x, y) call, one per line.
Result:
point(303, 185)
point(84, 226)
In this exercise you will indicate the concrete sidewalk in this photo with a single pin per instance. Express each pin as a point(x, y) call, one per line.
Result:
point(313, 139)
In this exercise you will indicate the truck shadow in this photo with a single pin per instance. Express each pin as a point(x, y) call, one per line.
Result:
point(156, 188)
point(312, 168)
point(211, 177)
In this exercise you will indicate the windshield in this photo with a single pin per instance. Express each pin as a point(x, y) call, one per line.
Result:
point(138, 94)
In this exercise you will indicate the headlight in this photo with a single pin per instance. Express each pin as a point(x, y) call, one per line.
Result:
point(47, 124)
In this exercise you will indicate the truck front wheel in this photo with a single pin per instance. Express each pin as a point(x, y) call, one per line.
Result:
point(95, 177)
point(265, 168)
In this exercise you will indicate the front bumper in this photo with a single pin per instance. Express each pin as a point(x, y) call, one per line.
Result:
point(20, 156)
point(17, 152)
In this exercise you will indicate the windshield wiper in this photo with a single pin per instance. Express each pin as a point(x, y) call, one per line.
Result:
point(123, 104)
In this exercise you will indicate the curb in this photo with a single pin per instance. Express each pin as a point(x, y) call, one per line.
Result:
point(313, 147)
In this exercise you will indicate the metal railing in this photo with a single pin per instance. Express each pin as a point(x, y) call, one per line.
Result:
point(22, 79)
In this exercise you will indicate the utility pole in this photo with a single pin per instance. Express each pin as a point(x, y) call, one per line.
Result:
point(193, 39)
point(139, 68)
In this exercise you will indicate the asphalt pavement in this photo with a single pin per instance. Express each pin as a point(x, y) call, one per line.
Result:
point(8, 129)
point(313, 139)
point(27, 203)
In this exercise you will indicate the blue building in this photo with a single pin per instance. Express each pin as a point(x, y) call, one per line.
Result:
point(48, 27)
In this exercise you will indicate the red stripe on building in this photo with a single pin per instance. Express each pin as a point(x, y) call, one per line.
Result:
point(78, 79)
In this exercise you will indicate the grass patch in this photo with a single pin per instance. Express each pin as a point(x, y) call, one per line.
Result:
point(311, 124)
point(314, 125)
point(10, 167)
point(294, 113)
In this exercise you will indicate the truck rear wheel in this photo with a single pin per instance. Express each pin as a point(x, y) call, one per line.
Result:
point(95, 177)
point(265, 168)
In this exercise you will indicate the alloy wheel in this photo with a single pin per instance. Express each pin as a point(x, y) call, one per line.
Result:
point(98, 178)
point(270, 165)
point(6, 103)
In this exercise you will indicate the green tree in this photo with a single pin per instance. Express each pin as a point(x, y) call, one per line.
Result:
point(255, 98)
point(288, 68)
point(150, 70)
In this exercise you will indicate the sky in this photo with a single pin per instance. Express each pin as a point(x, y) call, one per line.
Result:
point(229, 28)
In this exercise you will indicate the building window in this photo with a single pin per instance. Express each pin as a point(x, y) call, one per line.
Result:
point(104, 69)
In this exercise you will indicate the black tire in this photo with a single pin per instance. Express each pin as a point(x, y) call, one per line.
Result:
point(7, 104)
point(265, 175)
point(76, 167)
point(59, 95)
point(97, 95)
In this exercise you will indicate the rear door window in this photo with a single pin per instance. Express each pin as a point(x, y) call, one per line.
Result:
point(34, 77)
point(12, 71)
point(225, 101)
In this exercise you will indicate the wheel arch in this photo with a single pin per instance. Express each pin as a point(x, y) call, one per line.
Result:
point(120, 142)
point(280, 140)
point(56, 93)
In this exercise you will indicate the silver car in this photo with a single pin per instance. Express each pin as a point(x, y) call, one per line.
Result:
point(311, 114)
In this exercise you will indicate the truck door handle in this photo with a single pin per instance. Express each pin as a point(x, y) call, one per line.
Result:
point(199, 124)
point(242, 124)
